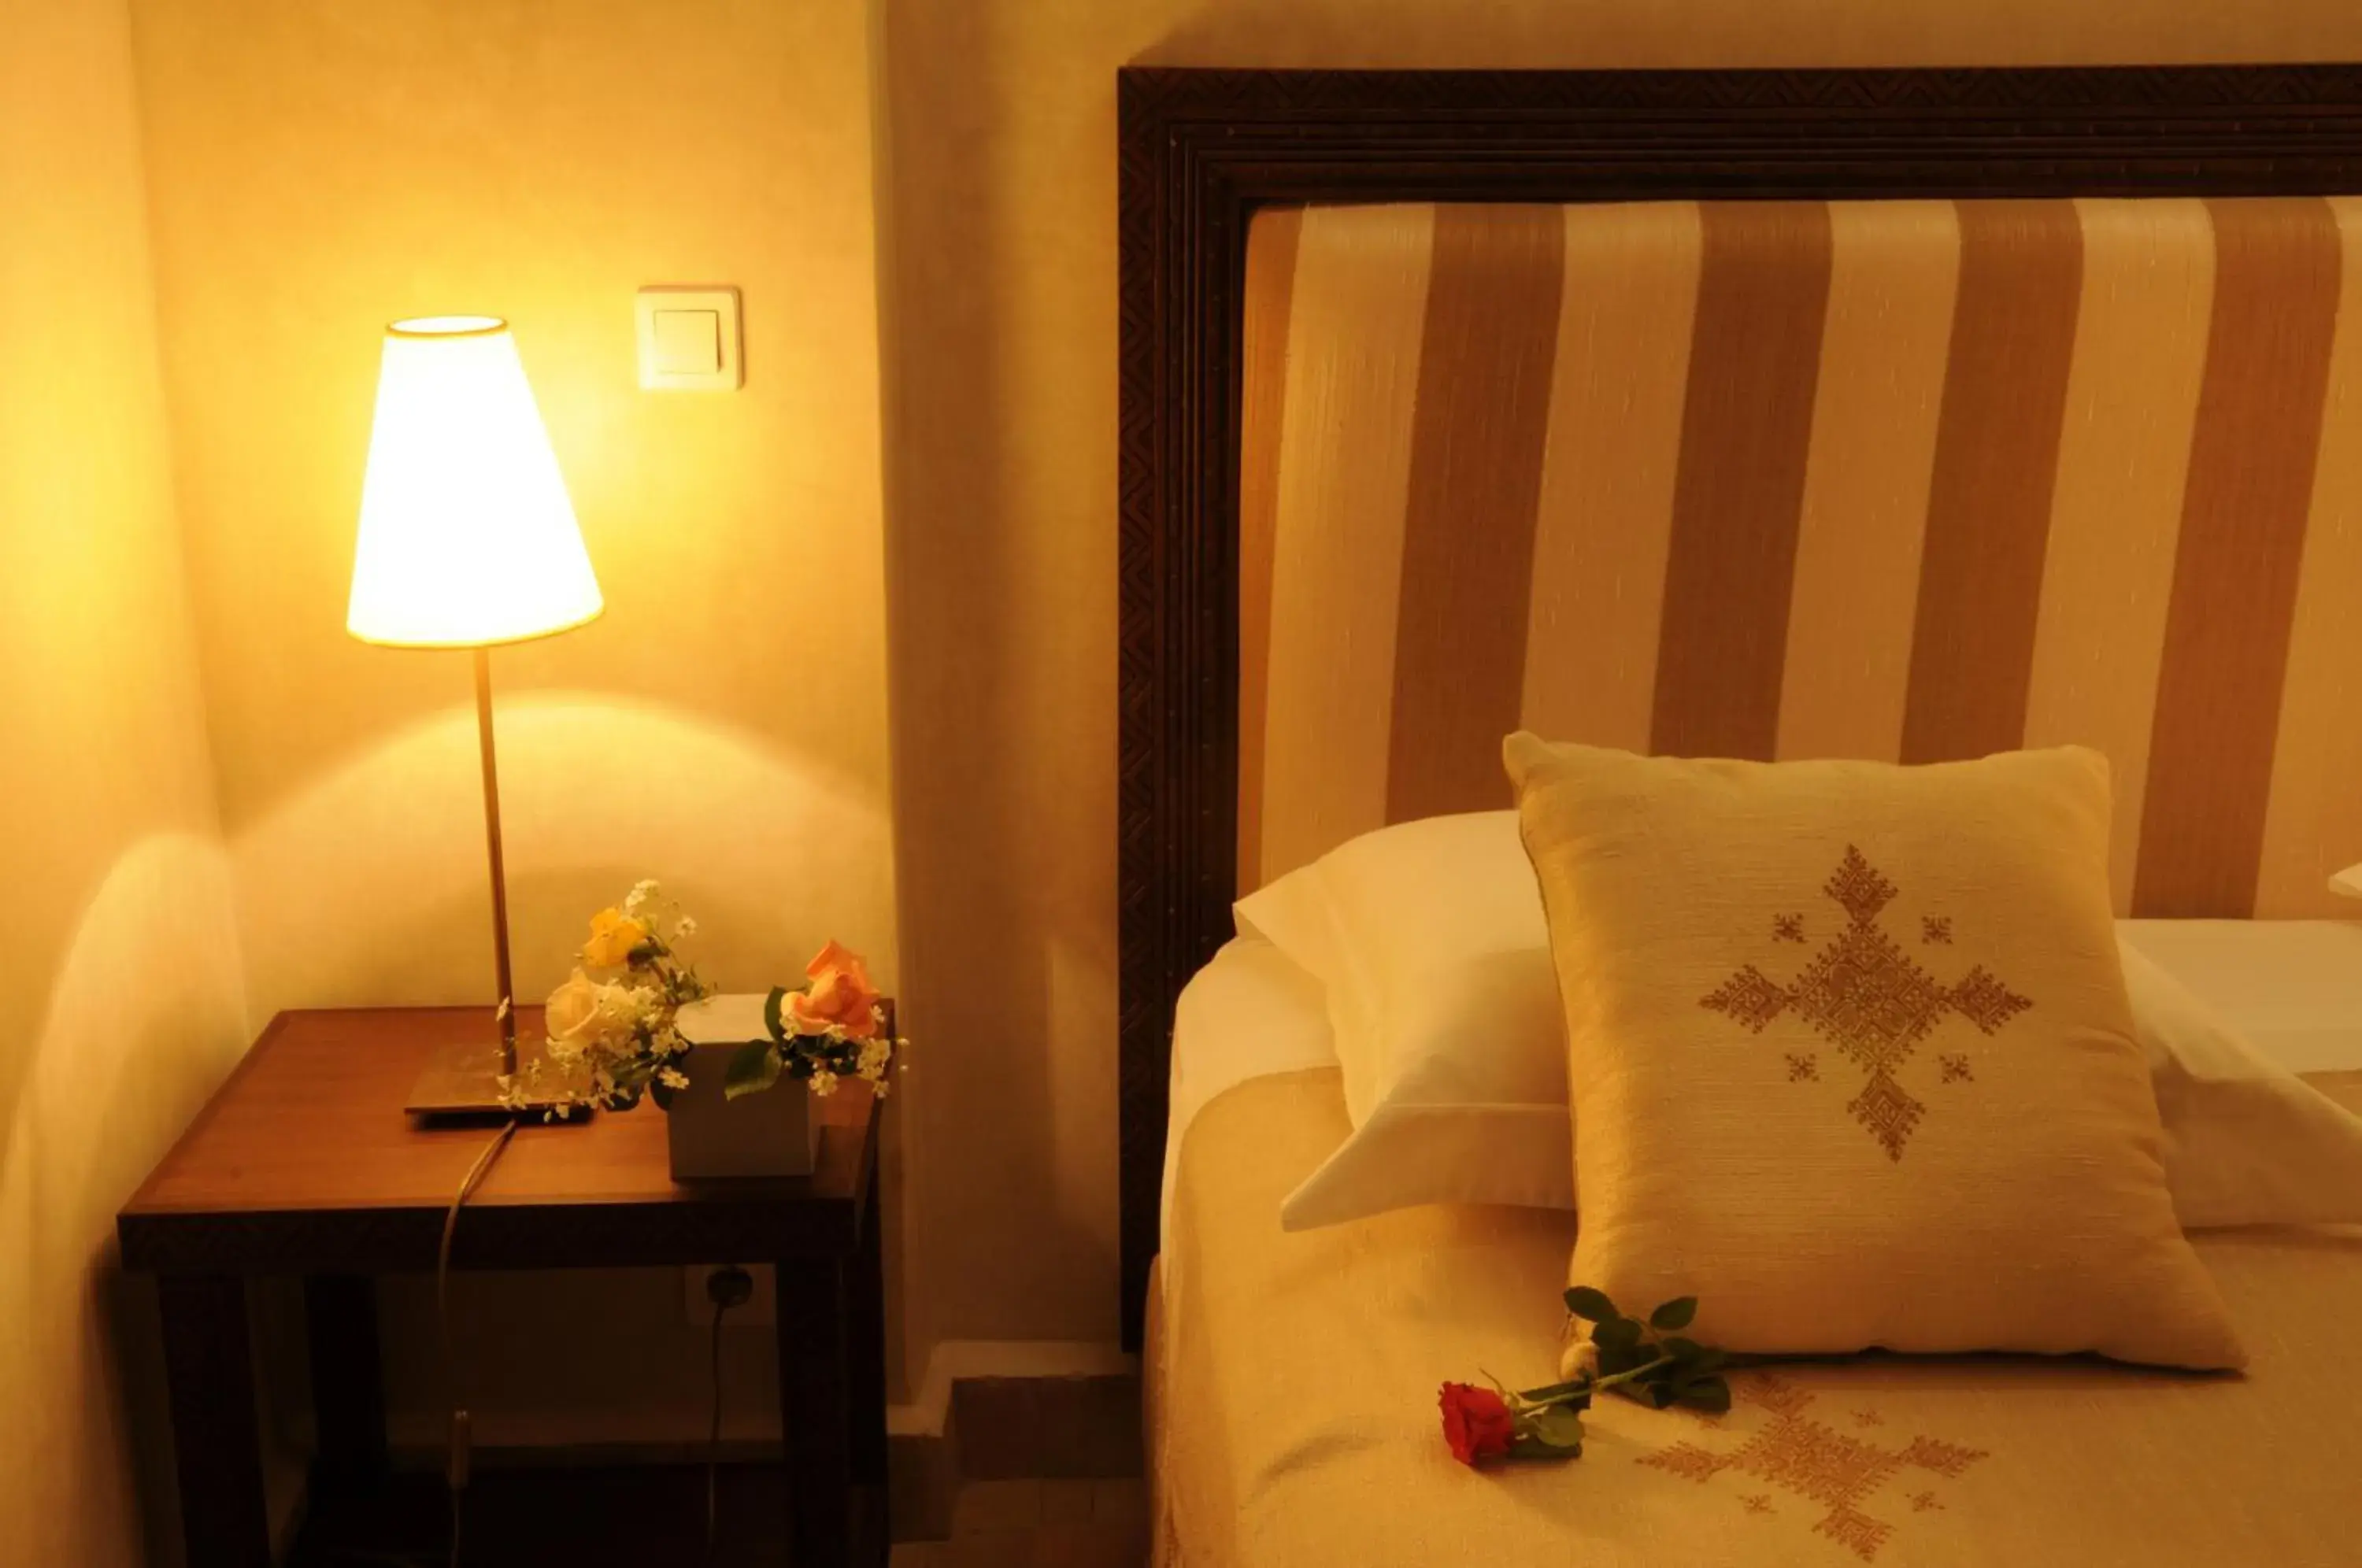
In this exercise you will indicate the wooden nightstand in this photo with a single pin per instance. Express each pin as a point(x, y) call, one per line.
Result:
point(303, 1164)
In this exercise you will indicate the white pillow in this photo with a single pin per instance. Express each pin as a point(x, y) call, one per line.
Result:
point(1251, 1012)
point(1428, 940)
point(1428, 937)
point(2247, 1141)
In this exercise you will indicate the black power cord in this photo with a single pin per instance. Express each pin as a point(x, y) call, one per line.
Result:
point(725, 1287)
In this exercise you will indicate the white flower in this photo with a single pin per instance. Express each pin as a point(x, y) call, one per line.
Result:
point(579, 1016)
point(874, 1055)
point(644, 893)
point(601, 1021)
point(685, 929)
point(672, 1077)
point(823, 1082)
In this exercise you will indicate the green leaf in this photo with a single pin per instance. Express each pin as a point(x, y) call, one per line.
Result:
point(1616, 1333)
point(1649, 1391)
point(1534, 1448)
point(1711, 1395)
point(1559, 1428)
point(1674, 1314)
point(1559, 1390)
point(1591, 1306)
point(771, 1011)
point(753, 1067)
point(1616, 1360)
point(1692, 1357)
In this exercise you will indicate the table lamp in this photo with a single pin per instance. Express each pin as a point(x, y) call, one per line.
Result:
point(468, 539)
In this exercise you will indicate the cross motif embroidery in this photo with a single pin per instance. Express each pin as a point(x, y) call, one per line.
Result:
point(1788, 928)
point(1804, 1069)
point(1956, 1069)
point(1866, 996)
point(1818, 1463)
point(1935, 929)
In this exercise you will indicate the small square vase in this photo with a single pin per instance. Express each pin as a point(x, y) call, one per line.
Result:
point(711, 1137)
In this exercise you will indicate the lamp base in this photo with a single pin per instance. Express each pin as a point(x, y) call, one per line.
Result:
point(462, 1082)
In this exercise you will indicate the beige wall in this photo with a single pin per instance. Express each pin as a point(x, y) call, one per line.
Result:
point(116, 918)
point(320, 167)
point(1001, 399)
point(323, 166)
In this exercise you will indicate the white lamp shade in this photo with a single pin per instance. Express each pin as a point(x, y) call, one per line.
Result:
point(467, 535)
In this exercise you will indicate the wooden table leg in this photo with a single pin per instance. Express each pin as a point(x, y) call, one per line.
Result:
point(347, 1383)
point(815, 1409)
point(217, 1433)
point(866, 1334)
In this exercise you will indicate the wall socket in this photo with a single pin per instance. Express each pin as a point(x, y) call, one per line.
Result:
point(761, 1311)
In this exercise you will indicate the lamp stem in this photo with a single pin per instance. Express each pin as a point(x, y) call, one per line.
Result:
point(500, 877)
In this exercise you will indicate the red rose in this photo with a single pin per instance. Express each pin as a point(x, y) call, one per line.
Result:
point(1477, 1423)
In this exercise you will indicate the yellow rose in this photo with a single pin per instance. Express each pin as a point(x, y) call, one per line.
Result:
point(615, 936)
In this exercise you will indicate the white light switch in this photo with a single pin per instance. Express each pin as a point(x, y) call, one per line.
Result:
point(689, 338)
point(688, 342)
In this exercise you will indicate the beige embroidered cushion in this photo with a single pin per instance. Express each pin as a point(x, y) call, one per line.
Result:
point(1850, 1056)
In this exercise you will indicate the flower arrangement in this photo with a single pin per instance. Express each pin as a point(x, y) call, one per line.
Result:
point(1648, 1362)
point(611, 1026)
point(832, 1027)
point(614, 1035)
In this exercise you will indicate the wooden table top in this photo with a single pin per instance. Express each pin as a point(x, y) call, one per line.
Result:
point(306, 1162)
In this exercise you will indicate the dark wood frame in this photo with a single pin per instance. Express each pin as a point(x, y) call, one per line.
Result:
point(1200, 151)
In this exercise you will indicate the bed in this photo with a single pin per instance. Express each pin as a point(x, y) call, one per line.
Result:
point(1901, 415)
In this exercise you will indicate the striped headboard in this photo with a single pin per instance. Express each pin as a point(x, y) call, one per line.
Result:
point(1906, 480)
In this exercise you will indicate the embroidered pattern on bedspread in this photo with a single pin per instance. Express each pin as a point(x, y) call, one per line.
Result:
point(1816, 1461)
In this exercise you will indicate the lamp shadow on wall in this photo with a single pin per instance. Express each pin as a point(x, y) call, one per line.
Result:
point(144, 1018)
point(365, 885)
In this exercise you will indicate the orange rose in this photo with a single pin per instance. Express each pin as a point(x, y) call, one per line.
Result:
point(839, 997)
